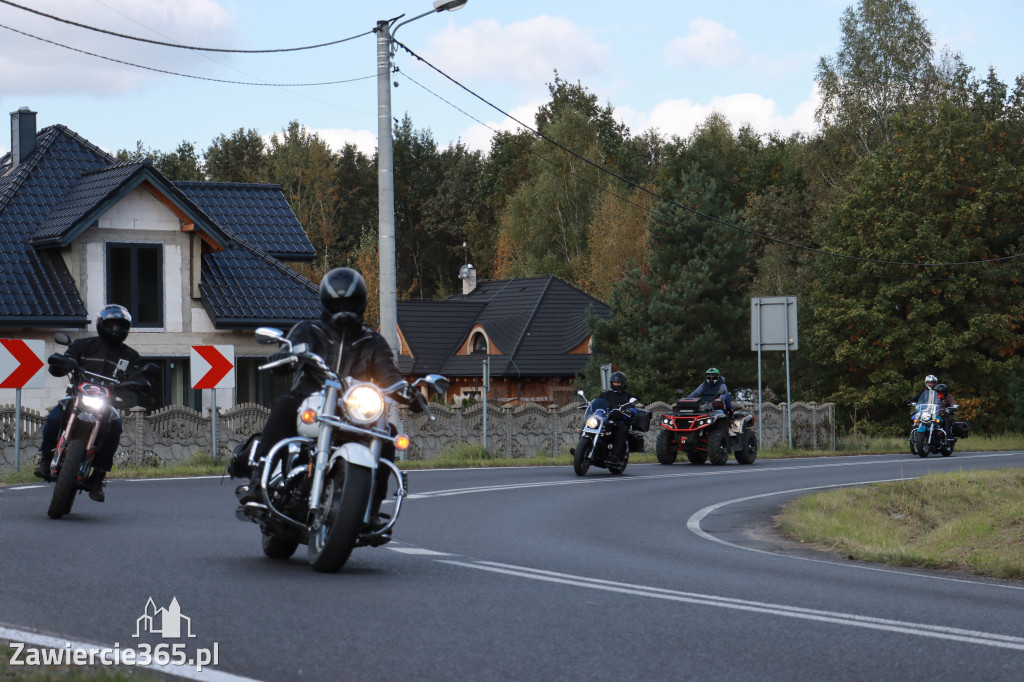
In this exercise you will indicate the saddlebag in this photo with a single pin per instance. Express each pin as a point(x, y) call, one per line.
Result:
point(635, 441)
point(239, 466)
point(642, 421)
point(961, 429)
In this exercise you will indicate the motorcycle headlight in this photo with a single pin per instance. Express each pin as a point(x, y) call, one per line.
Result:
point(927, 416)
point(593, 422)
point(98, 404)
point(364, 403)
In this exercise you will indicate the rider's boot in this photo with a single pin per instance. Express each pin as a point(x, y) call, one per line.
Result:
point(42, 469)
point(250, 492)
point(95, 485)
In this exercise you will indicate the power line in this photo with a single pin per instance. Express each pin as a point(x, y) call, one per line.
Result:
point(183, 75)
point(177, 45)
point(694, 211)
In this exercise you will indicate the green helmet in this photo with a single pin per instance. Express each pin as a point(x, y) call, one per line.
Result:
point(712, 375)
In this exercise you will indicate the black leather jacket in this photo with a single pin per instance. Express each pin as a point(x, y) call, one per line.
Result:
point(362, 354)
point(95, 355)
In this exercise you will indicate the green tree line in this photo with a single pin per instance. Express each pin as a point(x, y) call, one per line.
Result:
point(897, 223)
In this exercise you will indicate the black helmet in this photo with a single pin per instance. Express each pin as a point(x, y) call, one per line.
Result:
point(618, 381)
point(711, 375)
point(941, 388)
point(343, 297)
point(113, 323)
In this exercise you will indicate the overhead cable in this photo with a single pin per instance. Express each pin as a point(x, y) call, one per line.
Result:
point(177, 45)
point(184, 75)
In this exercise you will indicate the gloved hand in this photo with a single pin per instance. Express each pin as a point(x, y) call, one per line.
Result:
point(417, 403)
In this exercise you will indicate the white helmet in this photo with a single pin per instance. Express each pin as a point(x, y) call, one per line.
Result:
point(930, 381)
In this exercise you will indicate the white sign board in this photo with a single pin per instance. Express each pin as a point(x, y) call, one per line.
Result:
point(21, 363)
point(213, 367)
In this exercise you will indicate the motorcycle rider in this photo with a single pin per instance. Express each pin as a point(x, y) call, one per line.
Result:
point(618, 396)
point(98, 354)
point(350, 349)
point(713, 388)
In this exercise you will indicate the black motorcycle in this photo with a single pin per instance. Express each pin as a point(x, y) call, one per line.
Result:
point(316, 489)
point(596, 436)
point(87, 413)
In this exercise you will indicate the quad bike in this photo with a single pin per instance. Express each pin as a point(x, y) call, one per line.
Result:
point(705, 431)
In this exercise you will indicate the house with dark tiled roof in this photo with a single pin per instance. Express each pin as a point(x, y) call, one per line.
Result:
point(195, 263)
point(533, 330)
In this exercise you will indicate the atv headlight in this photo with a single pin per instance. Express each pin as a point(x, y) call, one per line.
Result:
point(593, 422)
point(364, 403)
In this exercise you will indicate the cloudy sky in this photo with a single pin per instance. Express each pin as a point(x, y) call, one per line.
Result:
point(663, 64)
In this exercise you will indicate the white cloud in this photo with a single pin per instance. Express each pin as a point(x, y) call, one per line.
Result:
point(709, 42)
point(524, 53)
point(30, 65)
point(478, 136)
point(336, 138)
point(679, 117)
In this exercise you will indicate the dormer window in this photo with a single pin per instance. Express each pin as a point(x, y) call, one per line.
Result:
point(478, 343)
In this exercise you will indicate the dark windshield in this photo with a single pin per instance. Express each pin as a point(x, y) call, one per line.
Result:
point(595, 405)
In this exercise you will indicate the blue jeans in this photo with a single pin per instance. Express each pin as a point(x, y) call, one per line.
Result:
point(104, 459)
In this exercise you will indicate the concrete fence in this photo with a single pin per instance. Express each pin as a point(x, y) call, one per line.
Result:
point(171, 434)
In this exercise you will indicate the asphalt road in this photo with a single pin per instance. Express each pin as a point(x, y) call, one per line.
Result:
point(664, 573)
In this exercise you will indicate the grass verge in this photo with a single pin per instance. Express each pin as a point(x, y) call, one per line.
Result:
point(965, 521)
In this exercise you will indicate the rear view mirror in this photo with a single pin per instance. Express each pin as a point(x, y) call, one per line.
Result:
point(268, 335)
point(62, 339)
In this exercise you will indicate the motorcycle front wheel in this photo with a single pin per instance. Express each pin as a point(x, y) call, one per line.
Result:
point(921, 443)
point(339, 516)
point(67, 480)
point(580, 463)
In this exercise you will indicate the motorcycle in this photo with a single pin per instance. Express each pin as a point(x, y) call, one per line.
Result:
point(596, 436)
point(928, 435)
point(316, 489)
point(87, 413)
point(703, 430)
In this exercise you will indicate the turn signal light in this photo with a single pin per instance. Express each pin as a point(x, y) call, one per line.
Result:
point(308, 417)
point(402, 441)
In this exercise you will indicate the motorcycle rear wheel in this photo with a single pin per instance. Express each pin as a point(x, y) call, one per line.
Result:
point(340, 516)
point(580, 464)
point(67, 480)
point(666, 448)
point(921, 443)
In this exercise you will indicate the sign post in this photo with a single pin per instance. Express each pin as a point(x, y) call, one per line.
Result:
point(773, 327)
point(20, 362)
point(213, 367)
point(487, 385)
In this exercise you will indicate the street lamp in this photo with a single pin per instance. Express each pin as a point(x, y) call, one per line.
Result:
point(386, 172)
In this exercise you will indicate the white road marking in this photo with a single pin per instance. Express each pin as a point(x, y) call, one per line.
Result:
point(417, 550)
point(8, 634)
point(834, 617)
point(716, 471)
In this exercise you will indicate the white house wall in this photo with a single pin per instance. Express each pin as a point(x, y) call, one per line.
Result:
point(139, 218)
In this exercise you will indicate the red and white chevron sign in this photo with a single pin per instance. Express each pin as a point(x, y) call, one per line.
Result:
point(20, 362)
point(213, 367)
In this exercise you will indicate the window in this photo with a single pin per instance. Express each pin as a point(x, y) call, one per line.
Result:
point(171, 385)
point(135, 280)
point(478, 344)
point(254, 386)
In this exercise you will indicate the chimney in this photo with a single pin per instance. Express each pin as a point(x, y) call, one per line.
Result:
point(23, 135)
point(467, 273)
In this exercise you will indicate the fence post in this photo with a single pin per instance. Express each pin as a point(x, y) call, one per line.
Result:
point(814, 426)
point(139, 413)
